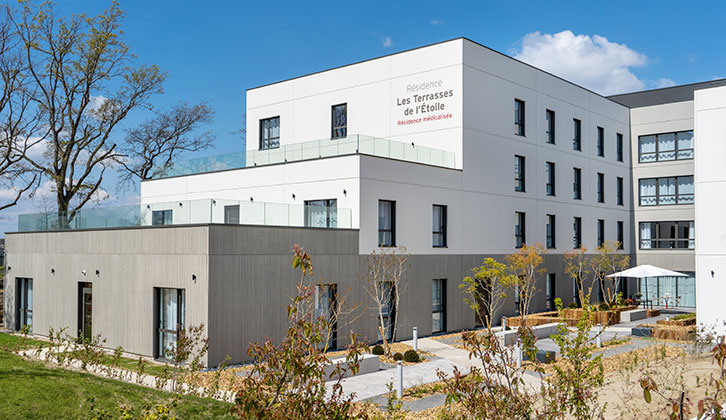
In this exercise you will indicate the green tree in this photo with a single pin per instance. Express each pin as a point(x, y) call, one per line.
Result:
point(608, 260)
point(525, 268)
point(487, 289)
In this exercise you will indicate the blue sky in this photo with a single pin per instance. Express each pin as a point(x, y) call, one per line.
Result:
point(213, 51)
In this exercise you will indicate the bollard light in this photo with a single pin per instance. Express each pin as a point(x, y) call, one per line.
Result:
point(599, 336)
point(504, 323)
point(415, 338)
point(520, 356)
point(399, 381)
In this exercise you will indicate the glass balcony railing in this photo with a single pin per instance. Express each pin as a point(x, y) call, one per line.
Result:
point(354, 144)
point(191, 212)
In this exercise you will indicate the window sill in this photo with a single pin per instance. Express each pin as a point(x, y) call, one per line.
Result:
point(439, 246)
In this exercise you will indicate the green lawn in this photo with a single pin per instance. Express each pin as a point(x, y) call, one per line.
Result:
point(18, 342)
point(33, 390)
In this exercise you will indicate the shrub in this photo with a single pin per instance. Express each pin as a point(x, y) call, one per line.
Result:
point(603, 307)
point(397, 356)
point(377, 350)
point(684, 316)
point(411, 356)
point(572, 305)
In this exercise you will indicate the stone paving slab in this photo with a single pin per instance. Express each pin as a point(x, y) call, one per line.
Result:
point(420, 404)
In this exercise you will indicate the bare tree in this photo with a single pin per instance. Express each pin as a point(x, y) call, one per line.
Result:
point(525, 268)
point(607, 261)
point(385, 283)
point(80, 75)
point(19, 117)
point(154, 146)
point(576, 267)
point(487, 290)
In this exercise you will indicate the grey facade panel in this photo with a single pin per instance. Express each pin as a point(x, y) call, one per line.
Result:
point(665, 95)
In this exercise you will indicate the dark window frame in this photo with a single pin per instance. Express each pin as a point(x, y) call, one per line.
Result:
point(550, 126)
point(576, 232)
point(676, 151)
point(520, 229)
point(600, 187)
point(673, 241)
point(619, 185)
point(165, 216)
point(440, 309)
point(442, 226)
point(551, 290)
point(331, 212)
point(180, 316)
point(577, 135)
point(600, 141)
point(619, 146)
point(266, 141)
point(392, 230)
point(621, 234)
point(520, 178)
point(519, 117)
point(678, 196)
point(338, 131)
point(551, 179)
point(577, 183)
point(551, 231)
point(600, 232)
point(22, 284)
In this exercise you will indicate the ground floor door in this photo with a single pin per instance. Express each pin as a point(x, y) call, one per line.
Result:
point(170, 308)
point(24, 301)
point(85, 310)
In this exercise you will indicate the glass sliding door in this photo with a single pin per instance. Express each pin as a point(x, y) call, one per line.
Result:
point(326, 301)
point(321, 213)
point(170, 315)
point(438, 317)
point(24, 296)
point(231, 215)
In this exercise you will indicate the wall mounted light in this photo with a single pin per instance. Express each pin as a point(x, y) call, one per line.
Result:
point(252, 199)
point(148, 206)
point(293, 196)
point(83, 272)
point(98, 273)
point(214, 202)
point(412, 144)
point(712, 273)
point(180, 204)
point(194, 278)
point(52, 271)
point(345, 193)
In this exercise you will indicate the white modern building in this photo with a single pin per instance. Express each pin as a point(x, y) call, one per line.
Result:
point(453, 150)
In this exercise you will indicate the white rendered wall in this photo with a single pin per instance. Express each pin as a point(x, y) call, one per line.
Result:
point(710, 183)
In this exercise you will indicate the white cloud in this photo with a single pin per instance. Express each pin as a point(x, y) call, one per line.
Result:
point(435, 22)
point(387, 41)
point(96, 101)
point(663, 83)
point(590, 61)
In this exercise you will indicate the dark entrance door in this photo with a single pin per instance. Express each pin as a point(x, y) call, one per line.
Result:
point(85, 310)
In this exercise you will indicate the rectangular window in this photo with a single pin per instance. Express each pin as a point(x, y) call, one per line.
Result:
point(519, 173)
point(339, 118)
point(388, 309)
point(619, 147)
point(519, 229)
point(170, 315)
point(386, 223)
point(667, 235)
point(161, 217)
point(550, 169)
point(438, 316)
point(577, 139)
point(85, 310)
point(621, 233)
point(24, 304)
point(551, 231)
point(550, 289)
point(620, 191)
point(600, 232)
point(601, 141)
point(550, 117)
point(600, 187)
point(321, 213)
point(665, 147)
point(577, 233)
point(326, 302)
point(439, 226)
point(577, 183)
point(270, 133)
point(519, 117)
point(666, 191)
point(231, 215)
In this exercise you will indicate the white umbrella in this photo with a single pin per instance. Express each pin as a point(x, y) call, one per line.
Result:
point(646, 270)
